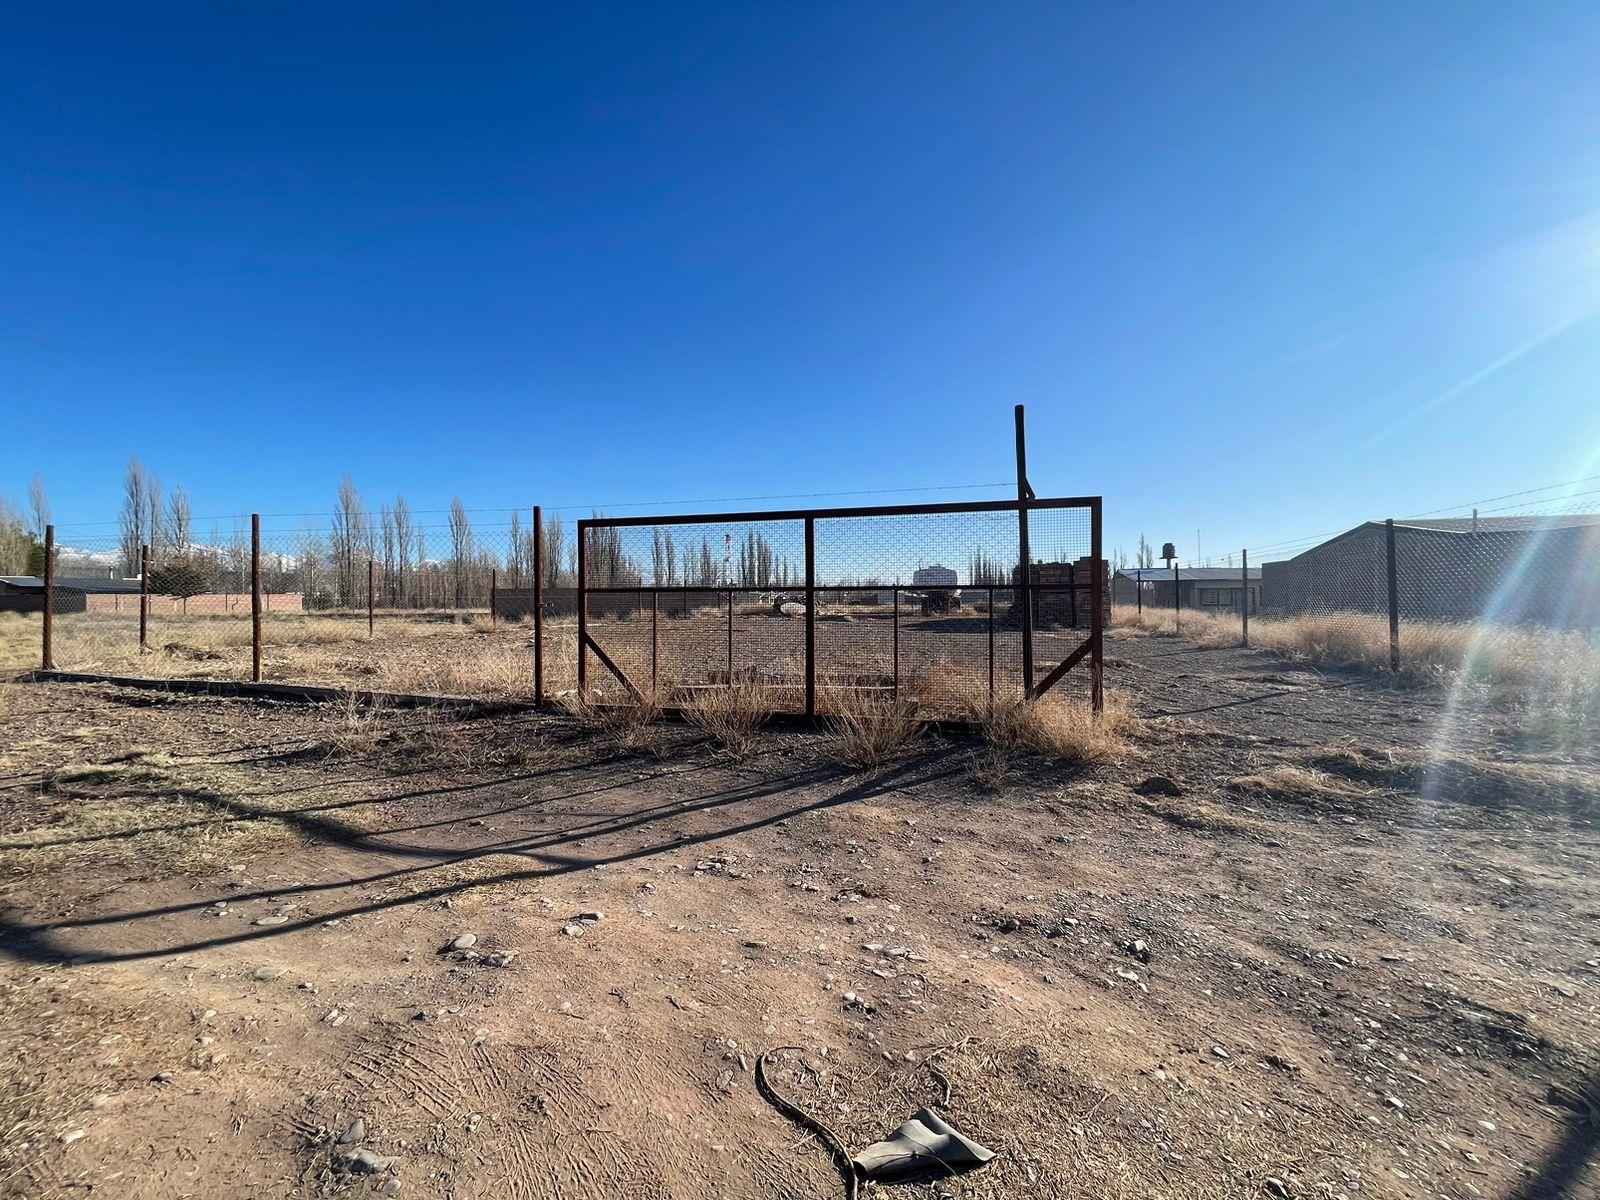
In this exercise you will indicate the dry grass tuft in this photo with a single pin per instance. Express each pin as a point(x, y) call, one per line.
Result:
point(989, 768)
point(730, 715)
point(868, 728)
point(633, 725)
point(1065, 730)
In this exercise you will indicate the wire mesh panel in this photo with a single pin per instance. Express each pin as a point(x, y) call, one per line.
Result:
point(675, 607)
point(919, 605)
point(94, 605)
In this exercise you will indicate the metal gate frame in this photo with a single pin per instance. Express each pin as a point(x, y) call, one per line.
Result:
point(1091, 648)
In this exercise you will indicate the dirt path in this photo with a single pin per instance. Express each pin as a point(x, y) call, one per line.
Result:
point(1353, 987)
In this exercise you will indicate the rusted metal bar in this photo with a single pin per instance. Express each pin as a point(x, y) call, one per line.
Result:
point(882, 510)
point(583, 610)
point(47, 647)
point(371, 574)
point(494, 597)
point(605, 661)
point(1097, 658)
point(730, 637)
point(1394, 596)
point(896, 594)
point(1138, 591)
point(255, 597)
point(144, 597)
point(991, 649)
point(1065, 665)
point(655, 638)
point(1177, 600)
point(538, 605)
point(1025, 560)
point(1244, 595)
point(811, 616)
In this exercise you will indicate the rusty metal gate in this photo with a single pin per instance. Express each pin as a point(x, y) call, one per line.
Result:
point(952, 608)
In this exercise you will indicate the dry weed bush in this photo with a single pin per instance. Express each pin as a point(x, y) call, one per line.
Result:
point(1062, 729)
point(730, 715)
point(868, 728)
point(632, 724)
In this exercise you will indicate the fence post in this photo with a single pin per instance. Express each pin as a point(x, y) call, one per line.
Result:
point(1097, 661)
point(1177, 602)
point(144, 597)
point(255, 597)
point(583, 610)
point(47, 650)
point(1026, 560)
point(370, 573)
point(655, 636)
point(896, 593)
point(811, 617)
point(730, 636)
point(991, 649)
point(1244, 596)
point(1394, 597)
point(538, 605)
point(1138, 592)
point(494, 595)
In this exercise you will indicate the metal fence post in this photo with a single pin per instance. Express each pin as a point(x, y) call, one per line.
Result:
point(991, 649)
point(730, 637)
point(144, 597)
point(494, 596)
point(583, 610)
point(1244, 596)
point(655, 636)
point(1394, 596)
point(371, 571)
point(47, 649)
point(1025, 559)
point(255, 597)
point(1097, 662)
point(538, 605)
point(811, 617)
point(1138, 591)
point(1177, 603)
point(896, 640)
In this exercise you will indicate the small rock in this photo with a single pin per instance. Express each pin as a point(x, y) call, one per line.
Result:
point(1219, 1052)
point(355, 1134)
point(755, 944)
point(500, 958)
point(268, 973)
point(591, 917)
point(1138, 948)
point(1276, 1187)
point(1395, 1102)
point(365, 1162)
point(462, 941)
point(392, 1188)
point(275, 919)
point(1160, 785)
point(572, 930)
point(73, 1135)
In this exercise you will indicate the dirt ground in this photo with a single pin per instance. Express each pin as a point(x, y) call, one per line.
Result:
point(1310, 936)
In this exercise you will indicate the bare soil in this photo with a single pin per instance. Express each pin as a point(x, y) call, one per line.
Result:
point(1371, 918)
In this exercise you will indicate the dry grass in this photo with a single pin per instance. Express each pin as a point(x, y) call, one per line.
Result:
point(632, 725)
point(730, 715)
point(1062, 729)
point(867, 728)
point(139, 811)
point(989, 768)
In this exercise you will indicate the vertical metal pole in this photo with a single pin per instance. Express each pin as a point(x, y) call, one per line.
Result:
point(730, 637)
point(1097, 660)
point(1138, 591)
point(1025, 582)
point(991, 648)
point(1177, 600)
point(144, 597)
point(538, 606)
point(896, 593)
point(494, 597)
point(655, 635)
point(1394, 597)
point(583, 610)
point(811, 617)
point(1244, 572)
point(255, 597)
point(371, 570)
point(47, 650)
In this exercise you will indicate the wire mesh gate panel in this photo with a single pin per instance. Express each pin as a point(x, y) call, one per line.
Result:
point(820, 607)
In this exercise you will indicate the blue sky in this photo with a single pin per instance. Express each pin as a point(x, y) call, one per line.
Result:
point(1260, 273)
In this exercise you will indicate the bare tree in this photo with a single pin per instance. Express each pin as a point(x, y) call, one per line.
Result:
point(135, 516)
point(1147, 553)
point(157, 515)
point(350, 541)
point(460, 548)
point(38, 505)
point(180, 518)
point(555, 535)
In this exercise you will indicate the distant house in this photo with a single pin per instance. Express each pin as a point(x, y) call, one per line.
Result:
point(1203, 589)
point(1530, 570)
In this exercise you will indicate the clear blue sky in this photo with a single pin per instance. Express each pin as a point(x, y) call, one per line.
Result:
point(1262, 271)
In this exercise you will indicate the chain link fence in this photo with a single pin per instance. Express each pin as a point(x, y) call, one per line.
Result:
point(814, 609)
point(1511, 602)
